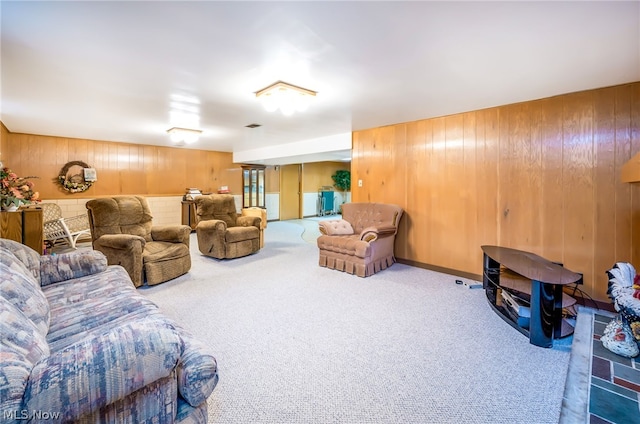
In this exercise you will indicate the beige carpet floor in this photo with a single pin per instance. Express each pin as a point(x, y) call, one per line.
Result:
point(300, 344)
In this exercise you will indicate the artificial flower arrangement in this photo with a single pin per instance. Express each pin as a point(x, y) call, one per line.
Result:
point(15, 190)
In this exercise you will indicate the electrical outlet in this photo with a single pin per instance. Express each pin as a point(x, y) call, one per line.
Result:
point(359, 183)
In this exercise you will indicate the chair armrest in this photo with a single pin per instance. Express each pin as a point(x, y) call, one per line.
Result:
point(67, 266)
point(171, 233)
point(100, 370)
point(212, 225)
point(335, 227)
point(249, 221)
point(120, 241)
point(76, 223)
point(211, 235)
point(373, 233)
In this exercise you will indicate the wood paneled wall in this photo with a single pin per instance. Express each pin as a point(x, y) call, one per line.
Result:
point(272, 179)
point(541, 176)
point(122, 168)
point(4, 141)
point(318, 174)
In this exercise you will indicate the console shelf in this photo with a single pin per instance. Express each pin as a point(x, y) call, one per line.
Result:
point(513, 277)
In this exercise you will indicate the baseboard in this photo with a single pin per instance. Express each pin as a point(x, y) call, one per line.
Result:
point(457, 273)
point(583, 301)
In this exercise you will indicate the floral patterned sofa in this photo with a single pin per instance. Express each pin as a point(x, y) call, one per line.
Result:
point(80, 344)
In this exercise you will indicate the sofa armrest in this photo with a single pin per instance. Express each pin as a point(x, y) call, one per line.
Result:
point(120, 241)
point(67, 266)
point(100, 370)
point(171, 233)
point(370, 234)
point(197, 371)
point(249, 221)
point(335, 227)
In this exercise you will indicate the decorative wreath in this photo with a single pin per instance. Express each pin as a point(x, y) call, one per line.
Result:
point(74, 183)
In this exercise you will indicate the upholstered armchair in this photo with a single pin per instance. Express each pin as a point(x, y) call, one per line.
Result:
point(222, 234)
point(122, 229)
point(262, 214)
point(362, 242)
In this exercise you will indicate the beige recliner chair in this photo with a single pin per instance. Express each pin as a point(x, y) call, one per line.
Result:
point(362, 241)
point(122, 229)
point(222, 234)
point(262, 214)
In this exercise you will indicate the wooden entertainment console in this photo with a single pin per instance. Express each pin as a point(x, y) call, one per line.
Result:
point(513, 277)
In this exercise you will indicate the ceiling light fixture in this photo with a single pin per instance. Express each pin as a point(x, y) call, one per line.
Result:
point(286, 97)
point(183, 136)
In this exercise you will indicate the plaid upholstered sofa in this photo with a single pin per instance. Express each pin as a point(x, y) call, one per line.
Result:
point(80, 344)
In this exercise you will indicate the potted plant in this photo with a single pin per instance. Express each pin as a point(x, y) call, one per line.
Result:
point(15, 190)
point(342, 181)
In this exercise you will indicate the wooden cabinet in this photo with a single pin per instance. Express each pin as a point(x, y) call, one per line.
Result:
point(189, 214)
point(253, 191)
point(23, 226)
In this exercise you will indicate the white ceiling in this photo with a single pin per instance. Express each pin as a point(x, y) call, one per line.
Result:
point(116, 70)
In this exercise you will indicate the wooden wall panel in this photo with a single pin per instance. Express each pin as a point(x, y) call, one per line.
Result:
point(469, 197)
point(272, 179)
point(487, 179)
point(436, 224)
point(605, 177)
point(552, 207)
point(542, 176)
point(578, 184)
point(635, 188)
point(122, 168)
point(455, 186)
point(318, 174)
point(623, 152)
point(418, 199)
point(4, 140)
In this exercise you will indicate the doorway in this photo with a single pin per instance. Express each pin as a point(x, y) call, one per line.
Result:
point(290, 189)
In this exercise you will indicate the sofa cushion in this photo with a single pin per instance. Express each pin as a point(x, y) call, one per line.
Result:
point(217, 206)
point(29, 257)
point(120, 215)
point(21, 346)
point(363, 215)
point(335, 227)
point(236, 234)
point(93, 305)
point(68, 266)
point(155, 251)
point(20, 290)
